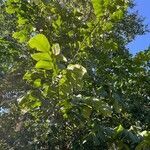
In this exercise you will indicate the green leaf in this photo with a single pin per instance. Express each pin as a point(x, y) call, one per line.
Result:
point(41, 56)
point(40, 43)
point(119, 129)
point(21, 36)
point(56, 49)
point(144, 145)
point(122, 146)
point(97, 5)
point(102, 107)
point(107, 26)
point(86, 111)
point(45, 89)
point(29, 101)
point(44, 65)
point(10, 9)
point(61, 58)
point(117, 15)
point(27, 76)
point(37, 83)
point(58, 21)
point(22, 21)
point(79, 69)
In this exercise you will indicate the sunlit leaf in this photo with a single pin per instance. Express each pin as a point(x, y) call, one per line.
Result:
point(97, 5)
point(40, 42)
point(37, 83)
point(44, 65)
point(119, 129)
point(41, 56)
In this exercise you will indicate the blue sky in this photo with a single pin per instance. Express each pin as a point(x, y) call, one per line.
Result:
point(141, 42)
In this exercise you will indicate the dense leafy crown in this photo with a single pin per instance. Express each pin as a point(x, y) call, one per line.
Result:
point(81, 88)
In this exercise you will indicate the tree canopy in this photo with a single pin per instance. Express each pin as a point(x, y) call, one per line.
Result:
point(67, 80)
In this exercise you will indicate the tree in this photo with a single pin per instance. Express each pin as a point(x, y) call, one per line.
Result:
point(85, 90)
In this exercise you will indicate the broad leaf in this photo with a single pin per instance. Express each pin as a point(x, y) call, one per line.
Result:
point(56, 49)
point(44, 65)
point(40, 43)
point(41, 56)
